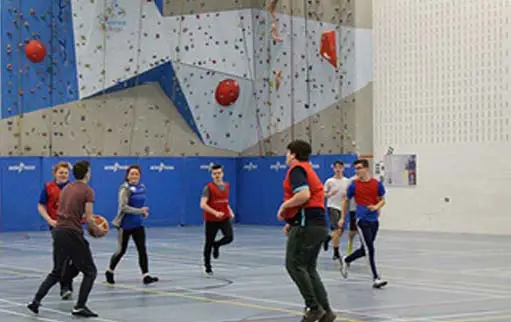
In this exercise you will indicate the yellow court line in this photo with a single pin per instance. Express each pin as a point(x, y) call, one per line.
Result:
point(228, 302)
point(194, 297)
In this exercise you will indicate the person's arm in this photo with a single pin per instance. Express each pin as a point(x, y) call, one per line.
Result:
point(123, 203)
point(300, 185)
point(204, 203)
point(381, 195)
point(41, 207)
point(230, 211)
point(89, 211)
point(350, 193)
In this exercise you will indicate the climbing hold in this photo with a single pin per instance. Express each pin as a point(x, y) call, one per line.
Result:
point(328, 49)
point(35, 51)
point(227, 92)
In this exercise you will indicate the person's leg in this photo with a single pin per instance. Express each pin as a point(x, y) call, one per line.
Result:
point(336, 232)
point(299, 252)
point(360, 252)
point(123, 237)
point(353, 231)
point(139, 238)
point(314, 237)
point(372, 228)
point(69, 272)
point(81, 256)
point(60, 253)
point(226, 228)
point(210, 230)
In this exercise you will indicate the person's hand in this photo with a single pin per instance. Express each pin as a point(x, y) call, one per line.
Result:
point(280, 213)
point(52, 223)
point(340, 223)
point(146, 212)
point(286, 229)
point(218, 214)
point(372, 208)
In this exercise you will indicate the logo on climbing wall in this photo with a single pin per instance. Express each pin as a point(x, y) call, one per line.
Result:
point(21, 167)
point(249, 167)
point(277, 166)
point(162, 167)
point(114, 17)
point(115, 167)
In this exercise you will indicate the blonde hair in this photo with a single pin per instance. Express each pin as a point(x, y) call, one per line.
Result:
point(60, 165)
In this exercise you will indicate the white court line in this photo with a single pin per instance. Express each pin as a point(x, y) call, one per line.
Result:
point(31, 317)
point(462, 315)
point(55, 311)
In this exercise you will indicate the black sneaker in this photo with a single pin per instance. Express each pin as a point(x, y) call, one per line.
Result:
point(84, 312)
point(34, 307)
point(66, 294)
point(328, 317)
point(313, 315)
point(150, 279)
point(109, 277)
point(216, 252)
point(208, 272)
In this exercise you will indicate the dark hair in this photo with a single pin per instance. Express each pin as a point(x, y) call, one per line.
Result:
point(337, 162)
point(363, 162)
point(216, 166)
point(131, 167)
point(80, 169)
point(301, 149)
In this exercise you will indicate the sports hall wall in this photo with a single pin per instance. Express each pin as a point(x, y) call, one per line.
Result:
point(138, 78)
point(174, 186)
point(442, 76)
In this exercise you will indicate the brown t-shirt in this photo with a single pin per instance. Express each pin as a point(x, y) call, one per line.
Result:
point(72, 202)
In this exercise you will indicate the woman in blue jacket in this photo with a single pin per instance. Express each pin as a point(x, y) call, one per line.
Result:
point(129, 222)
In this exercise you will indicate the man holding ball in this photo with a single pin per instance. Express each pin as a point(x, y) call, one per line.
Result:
point(76, 199)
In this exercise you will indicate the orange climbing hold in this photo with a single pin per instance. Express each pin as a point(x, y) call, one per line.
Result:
point(35, 51)
point(227, 92)
point(328, 49)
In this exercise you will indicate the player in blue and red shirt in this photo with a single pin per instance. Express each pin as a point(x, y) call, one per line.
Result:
point(368, 194)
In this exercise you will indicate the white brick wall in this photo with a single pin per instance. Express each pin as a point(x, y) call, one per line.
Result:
point(441, 90)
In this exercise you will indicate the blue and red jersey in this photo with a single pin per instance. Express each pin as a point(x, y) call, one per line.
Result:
point(366, 193)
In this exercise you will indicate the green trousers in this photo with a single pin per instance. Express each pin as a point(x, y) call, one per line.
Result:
point(303, 247)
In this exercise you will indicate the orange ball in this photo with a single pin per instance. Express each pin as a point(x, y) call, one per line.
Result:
point(102, 223)
point(35, 51)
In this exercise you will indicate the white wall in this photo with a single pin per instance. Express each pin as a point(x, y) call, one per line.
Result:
point(441, 90)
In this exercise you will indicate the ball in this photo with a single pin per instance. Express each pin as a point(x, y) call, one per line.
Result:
point(35, 51)
point(102, 223)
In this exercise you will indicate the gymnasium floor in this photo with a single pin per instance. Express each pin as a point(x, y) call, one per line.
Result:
point(432, 277)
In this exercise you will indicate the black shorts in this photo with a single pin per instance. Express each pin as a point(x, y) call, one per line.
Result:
point(335, 216)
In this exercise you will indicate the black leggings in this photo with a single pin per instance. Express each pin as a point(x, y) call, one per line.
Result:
point(123, 237)
point(211, 229)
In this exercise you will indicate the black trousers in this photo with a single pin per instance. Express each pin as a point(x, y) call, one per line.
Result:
point(123, 237)
point(68, 244)
point(211, 229)
point(69, 272)
point(367, 230)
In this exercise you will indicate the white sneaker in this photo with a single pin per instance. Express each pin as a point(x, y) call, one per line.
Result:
point(379, 283)
point(344, 267)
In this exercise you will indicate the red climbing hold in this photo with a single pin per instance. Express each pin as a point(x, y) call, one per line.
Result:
point(227, 92)
point(35, 51)
point(328, 48)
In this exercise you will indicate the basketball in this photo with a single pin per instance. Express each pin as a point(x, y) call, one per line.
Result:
point(100, 222)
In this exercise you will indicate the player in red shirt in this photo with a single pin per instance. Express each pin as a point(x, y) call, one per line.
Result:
point(217, 215)
point(304, 211)
point(368, 194)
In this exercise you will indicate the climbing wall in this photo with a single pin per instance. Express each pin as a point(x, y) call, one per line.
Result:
point(286, 89)
point(28, 86)
point(315, 101)
point(189, 7)
point(139, 121)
